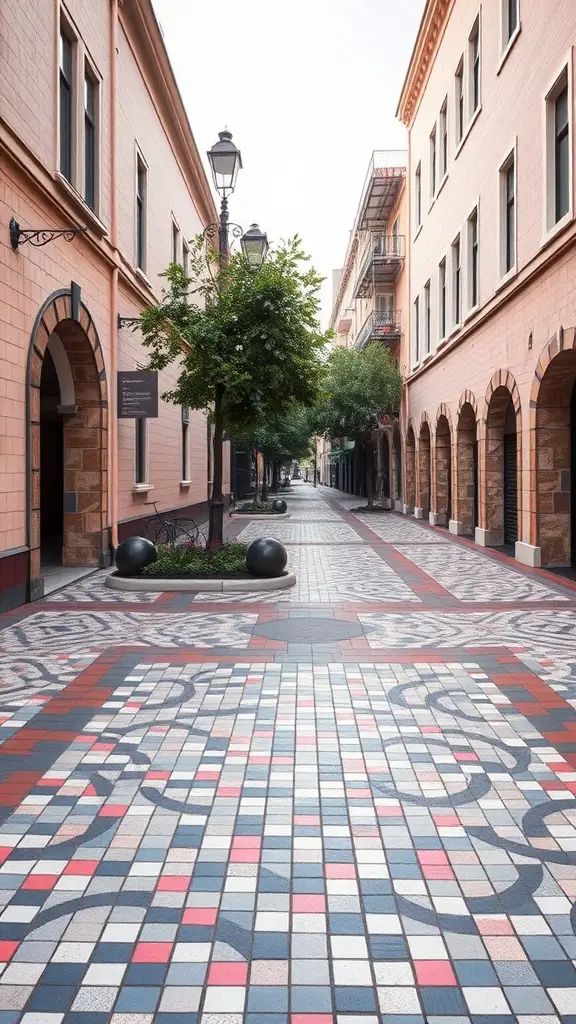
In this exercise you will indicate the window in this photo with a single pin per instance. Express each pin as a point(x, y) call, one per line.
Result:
point(456, 280)
point(442, 297)
point(433, 162)
point(395, 242)
point(175, 242)
point(561, 154)
point(510, 8)
point(443, 139)
point(508, 215)
point(141, 202)
point(186, 258)
point(427, 338)
point(473, 268)
point(418, 195)
point(417, 329)
point(90, 138)
point(66, 104)
point(459, 97)
point(184, 469)
point(140, 451)
point(474, 49)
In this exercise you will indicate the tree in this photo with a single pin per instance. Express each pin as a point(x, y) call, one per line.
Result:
point(281, 438)
point(360, 385)
point(246, 341)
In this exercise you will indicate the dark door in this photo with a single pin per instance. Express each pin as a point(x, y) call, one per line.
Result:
point(449, 488)
point(573, 476)
point(475, 482)
point(510, 490)
point(385, 467)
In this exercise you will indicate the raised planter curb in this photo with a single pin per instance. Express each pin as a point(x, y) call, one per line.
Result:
point(139, 585)
point(259, 515)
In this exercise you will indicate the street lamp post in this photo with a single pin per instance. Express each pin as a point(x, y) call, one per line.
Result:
point(225, 161)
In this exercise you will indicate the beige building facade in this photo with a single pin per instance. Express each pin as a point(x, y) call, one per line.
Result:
point(489, 425)
point(93, 136)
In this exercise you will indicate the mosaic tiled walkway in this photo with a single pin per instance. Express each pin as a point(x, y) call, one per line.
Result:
point(354, 801)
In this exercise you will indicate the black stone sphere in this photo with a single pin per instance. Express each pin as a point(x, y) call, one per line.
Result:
point(279, 505)
point(133, 554)
point(266, 557)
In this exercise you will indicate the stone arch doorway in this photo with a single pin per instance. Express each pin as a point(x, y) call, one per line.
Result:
point(556, 461)
point(503, 465)
point(397, 451)
point(67, 440)
point(467, 471)
point(410, 469)
point(443, 471)
point(424, 469)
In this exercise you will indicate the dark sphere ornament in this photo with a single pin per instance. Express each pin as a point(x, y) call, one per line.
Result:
point(133, 554)
point(266, 557)
point(279, 505)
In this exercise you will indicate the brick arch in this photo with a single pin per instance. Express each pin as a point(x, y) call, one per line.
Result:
point(550, 450)
point(444, 411)
point(410, 467)
point(443, 466)
point(502, 418)
point(85, 429)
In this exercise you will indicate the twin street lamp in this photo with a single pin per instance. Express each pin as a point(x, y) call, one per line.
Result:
point(225, 160)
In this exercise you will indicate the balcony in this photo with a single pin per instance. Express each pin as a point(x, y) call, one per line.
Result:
point(382, 186)
point(380, 263)
point(381, 325)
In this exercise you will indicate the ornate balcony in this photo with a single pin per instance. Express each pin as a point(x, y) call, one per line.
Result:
point(381, 325)
point(380, 263)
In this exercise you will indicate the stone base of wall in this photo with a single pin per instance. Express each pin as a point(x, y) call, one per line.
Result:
point(528, 554)
point(482, 537)
point(418, 513)
point(407, 510)
point(457, 527)
point(437, 518)
point(398, 506)
point(14, 570)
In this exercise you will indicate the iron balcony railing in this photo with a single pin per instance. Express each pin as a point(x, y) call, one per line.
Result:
point(381, 261)
point(381, 325)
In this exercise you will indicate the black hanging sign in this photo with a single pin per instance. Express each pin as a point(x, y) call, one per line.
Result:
point(137, 394)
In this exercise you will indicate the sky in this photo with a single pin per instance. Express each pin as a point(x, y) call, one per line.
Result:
point(309, 89)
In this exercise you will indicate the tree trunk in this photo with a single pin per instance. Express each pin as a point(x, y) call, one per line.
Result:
point(265, 480)
point(275, 474)
point(369, 471)
point(216, 524)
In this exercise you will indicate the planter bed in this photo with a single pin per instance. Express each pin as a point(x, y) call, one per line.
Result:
point(219, 583)
point(260, 515)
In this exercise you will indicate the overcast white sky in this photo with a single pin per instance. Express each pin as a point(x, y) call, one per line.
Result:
point(308, 88)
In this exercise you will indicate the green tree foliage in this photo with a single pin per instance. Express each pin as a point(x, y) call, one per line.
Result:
point(360, 385)
point(282, 438)
point(246, 341)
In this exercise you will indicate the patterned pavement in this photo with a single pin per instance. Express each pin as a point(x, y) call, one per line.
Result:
point(352, 801)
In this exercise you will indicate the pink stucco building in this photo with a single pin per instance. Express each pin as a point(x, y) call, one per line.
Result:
point(94, 135)
point(489, 429)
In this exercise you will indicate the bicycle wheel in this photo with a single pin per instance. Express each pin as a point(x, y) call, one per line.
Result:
point(186, 531)
point(157, 531)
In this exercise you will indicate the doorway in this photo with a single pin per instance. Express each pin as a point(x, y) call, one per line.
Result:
point(510, 477)
point(51, 469)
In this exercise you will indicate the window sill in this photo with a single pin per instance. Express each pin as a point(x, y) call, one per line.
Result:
point(185, 483)
point(142, 277)
point(509, 45)
point(427, 357)
point(82, 207)
point(471, 313)
point(441, 185)
point(467, 130)
point(432, 201)
point(142, 488)
point(506, 278)
point(442, 342)
point(556, 229)
point(418, 230)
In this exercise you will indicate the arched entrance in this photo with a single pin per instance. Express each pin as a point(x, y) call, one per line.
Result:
point(443, 471)
point(502, 466)
point(556, 461)
point(397, 449)
point(424, 469)
point(410, 470)
point(467, 471)
point(67, 440)
point(385, 463)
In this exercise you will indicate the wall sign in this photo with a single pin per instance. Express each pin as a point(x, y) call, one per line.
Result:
point(137, 394)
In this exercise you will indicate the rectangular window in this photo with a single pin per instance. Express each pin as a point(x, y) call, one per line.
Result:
point(561, 154)
point(474, 289)
point(90, 138)
point(442, 297)
point(508, 215)
point(433, 162)
point(175, 243)
point(186, 258)
point(427, 332)
point(474, 50)
point(66, 104)
point(456, 280)
point(141, 204)
point(510, 19)
point(140, 451)
point(444, 139)
point(459, 100)
point(416, 329)
point(418, 195)
point(184, 469)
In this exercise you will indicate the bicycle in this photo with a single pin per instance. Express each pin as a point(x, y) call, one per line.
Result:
point(161, 529)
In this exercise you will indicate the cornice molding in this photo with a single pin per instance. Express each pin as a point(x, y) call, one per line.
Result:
point(431, 28)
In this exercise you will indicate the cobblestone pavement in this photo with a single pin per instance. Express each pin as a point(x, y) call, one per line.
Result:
point(353, 801)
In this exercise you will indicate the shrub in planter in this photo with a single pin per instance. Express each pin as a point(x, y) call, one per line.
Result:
point(258, 508)
point(187, 560)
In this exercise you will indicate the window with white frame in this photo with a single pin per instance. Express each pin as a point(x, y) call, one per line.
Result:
point(186, 258)
point(175, 243)
point(433, 159)
point(443, 140)
point(91, 113)
point(66, 102)
point(510, 20)
point(78, 116)
point(185, 454)
point(459, 101)
point(474, 66)
point(140, 453)
point(141, 211)
point(558, 156)
point(508, 214)
point(427, 325)
point(456, 281)
point(418, 195)
point(473, 261)
point(417, 329)
point(442, 298)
